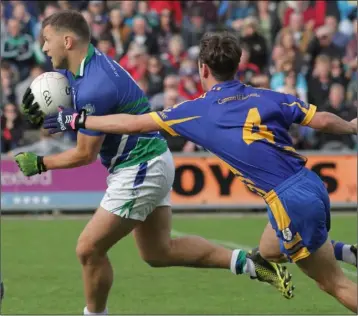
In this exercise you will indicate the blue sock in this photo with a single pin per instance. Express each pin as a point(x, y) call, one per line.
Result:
point(338, 249)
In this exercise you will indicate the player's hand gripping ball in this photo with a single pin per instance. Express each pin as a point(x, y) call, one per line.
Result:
point(31, 109)
point(46, 93)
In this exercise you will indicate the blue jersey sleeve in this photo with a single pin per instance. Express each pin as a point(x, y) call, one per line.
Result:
point(182, 119)
point(101, 101)
point(297, 111)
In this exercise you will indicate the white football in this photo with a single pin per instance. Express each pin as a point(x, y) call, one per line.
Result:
point(51, 90)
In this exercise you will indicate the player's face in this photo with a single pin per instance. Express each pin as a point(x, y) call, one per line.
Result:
point(54, 47)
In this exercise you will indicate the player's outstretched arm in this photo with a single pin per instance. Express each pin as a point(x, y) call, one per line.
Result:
point(122, 124)
point(67, 119)
point(331, 123)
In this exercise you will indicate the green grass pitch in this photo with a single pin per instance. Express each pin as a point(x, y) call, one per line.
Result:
point(42, 274)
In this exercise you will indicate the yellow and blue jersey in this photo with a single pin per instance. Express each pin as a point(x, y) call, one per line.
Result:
point(246, 127)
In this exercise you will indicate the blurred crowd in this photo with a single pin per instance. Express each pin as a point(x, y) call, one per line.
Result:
point(305, 48)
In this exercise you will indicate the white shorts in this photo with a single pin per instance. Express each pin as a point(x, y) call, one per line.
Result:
point(134, 192)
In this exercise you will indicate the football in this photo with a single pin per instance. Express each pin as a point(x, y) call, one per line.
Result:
point(51, 90)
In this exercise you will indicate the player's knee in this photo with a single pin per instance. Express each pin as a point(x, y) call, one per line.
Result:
point(157, 258)
point(156, 262)
point(86, 252)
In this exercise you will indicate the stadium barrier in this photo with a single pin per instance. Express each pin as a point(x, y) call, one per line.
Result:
point(202, 183)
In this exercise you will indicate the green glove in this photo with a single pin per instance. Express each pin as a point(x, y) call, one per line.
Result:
point(32, 110)
point(30, 164)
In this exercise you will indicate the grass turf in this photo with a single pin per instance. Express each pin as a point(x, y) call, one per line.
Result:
point(42, 274)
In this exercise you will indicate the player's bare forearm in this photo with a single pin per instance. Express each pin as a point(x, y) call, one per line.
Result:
point(85, 152)
point(331, 123)
point(71, 158)
point(122, 124)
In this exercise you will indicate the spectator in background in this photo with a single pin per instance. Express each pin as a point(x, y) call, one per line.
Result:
point(9, 78)
point(312, 11)
point(322, 44)
point(12, 128)
point(166, 30)
point(150, 15)
point(2, 21)
point(337, 72)
point(277, 59)
point(336, 105)
point(173, 6)
point(176, 53)
point(17, 48)
point(320, 82)
point(142, 36)
point(246, 69)
point(21, 87)
point(99, 17)
point(291, 86)
point(189, 86)
point(135, 61)
point(268, 22)
point(128, 10)
point(27, 22)
point(49, 9)
point(302, 33)
point(155, 75)
point(235, 12)
point(89, 19)
point(106, 45)
point(258, 49)
point(31, 7)
point(350, 58)
point(118, 30)
point(279, 79)
point(286, 40)
point(195, 29)
point(171, 82)
point(261, 81)
point(339, 39)
point(352, 92)
point(209, 7)
point(67, 5)
point(347, 8)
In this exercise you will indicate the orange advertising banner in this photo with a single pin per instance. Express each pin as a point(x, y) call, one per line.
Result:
point(205, 181)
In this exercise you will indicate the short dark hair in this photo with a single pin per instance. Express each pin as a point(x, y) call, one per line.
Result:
point(70, 20)
point(221, 52)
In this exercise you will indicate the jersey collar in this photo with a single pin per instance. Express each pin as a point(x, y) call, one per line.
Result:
point(85, 61)
point(220, 85)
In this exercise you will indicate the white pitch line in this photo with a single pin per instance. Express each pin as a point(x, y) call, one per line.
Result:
point(231, 244)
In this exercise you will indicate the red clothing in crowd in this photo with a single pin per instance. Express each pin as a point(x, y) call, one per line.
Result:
point(173, 6)
point(174, 62)
point(316, 13)
point(137, 72)
point(186, 95)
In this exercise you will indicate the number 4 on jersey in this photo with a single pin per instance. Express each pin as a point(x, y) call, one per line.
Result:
point(253, 120)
